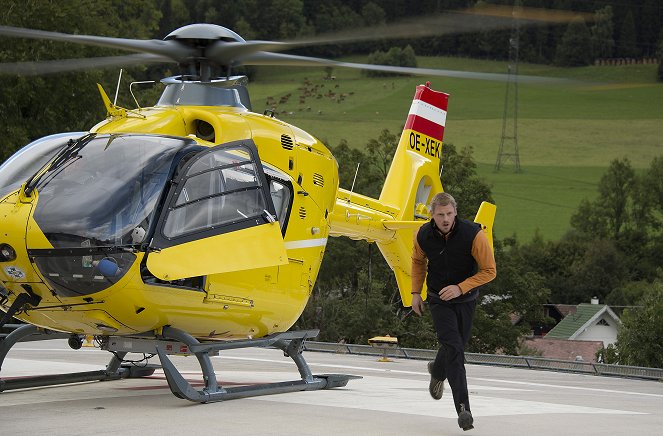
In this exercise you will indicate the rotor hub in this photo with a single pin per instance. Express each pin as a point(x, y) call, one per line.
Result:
point(209, 32)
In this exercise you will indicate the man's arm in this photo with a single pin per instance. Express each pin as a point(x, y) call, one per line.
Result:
point(485, 259)
point(418, 274)
point(419, 264)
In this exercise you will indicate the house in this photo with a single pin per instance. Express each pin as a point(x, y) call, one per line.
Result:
point(590, 322)
point(563, 349)
point(573, 333)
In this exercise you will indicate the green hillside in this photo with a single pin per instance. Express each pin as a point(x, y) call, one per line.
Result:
point(567, 134)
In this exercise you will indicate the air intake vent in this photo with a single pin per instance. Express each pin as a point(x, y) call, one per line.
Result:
point(287, 142)
point(318, 179)
point(302, 212)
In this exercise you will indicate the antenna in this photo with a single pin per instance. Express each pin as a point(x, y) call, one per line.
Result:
point(510, 116)
point(353, 182)
point(117, 89)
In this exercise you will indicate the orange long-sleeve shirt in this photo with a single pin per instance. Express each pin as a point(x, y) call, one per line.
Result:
point(482, 254)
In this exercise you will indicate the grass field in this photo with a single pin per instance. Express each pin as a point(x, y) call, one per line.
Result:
point(567, 134)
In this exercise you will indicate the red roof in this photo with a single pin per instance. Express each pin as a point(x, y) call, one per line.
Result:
point(564, 349)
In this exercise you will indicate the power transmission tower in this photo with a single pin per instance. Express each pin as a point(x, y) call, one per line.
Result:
point(509, 143)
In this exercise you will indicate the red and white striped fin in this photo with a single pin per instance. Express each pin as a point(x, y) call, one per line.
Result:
point(428, 113)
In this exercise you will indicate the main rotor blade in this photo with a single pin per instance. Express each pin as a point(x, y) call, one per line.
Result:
point(227, 53)
point(266, 58)
point(172, 48)
point(485, 18)
point(68, 65)
point(477, 19)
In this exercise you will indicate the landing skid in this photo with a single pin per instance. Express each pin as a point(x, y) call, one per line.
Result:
point(114, 370)
point(175, 341)
point(291, 343)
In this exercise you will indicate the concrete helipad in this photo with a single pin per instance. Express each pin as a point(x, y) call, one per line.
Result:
point(391, 399)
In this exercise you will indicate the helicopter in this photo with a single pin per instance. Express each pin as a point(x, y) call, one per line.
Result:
point(197, 225)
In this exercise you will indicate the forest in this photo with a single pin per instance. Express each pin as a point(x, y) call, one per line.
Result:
point(611, 251)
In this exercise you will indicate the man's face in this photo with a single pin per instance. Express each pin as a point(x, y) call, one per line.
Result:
point(444, 217)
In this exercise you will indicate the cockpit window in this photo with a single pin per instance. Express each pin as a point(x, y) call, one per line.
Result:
point(195, 94)
point(280, 189)
point(104, 190)
point(219, 188)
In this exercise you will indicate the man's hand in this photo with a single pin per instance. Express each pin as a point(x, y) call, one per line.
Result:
point(417, 304)
point(449, 292)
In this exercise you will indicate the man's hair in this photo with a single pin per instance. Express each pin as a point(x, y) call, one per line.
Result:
point(441, 199)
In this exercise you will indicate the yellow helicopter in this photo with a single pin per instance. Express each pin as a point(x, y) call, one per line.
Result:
point(197, 225)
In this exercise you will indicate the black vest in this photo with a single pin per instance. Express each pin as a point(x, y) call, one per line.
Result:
point(450, 260)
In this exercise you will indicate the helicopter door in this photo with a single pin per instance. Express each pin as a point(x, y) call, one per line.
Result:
point(219, 217)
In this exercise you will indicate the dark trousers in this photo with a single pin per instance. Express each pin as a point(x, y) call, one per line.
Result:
point(453, 324)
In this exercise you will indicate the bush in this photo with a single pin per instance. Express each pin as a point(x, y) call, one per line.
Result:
point(396, 56)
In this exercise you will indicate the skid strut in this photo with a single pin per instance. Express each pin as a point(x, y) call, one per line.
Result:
point(291, 343)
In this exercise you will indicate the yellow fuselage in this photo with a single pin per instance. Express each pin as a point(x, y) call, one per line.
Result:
point(244, 302)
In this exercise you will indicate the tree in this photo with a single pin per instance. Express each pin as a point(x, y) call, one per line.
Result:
point(653, 181)
point(639, 339)
point(628, 294)
point(615, 188)
point(618, 237)
point(649, 26)
point(627, 45)
point(575, 48)
point(381, 152)
point(373, 14)
point(607, 355)
point(243, 28)
point(659, 56)
point(288, 16)
point(558, 275)
point(396, 56)
point(174, 13)
point(353, 162)
point(600, 269)
point(576, 268)
point(331, 16)
point(615, 209)
point(602, 30)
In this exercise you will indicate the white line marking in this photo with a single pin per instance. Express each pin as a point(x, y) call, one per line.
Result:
point(305, 243)
point(428, 111)
point(612, 391)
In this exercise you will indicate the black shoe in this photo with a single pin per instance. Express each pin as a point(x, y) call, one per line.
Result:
point(436, 387)
point(465, 420)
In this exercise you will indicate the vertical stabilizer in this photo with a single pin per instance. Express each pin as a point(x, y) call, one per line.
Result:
point(414, 178)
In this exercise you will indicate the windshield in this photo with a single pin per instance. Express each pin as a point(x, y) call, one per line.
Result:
point(104, 190)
